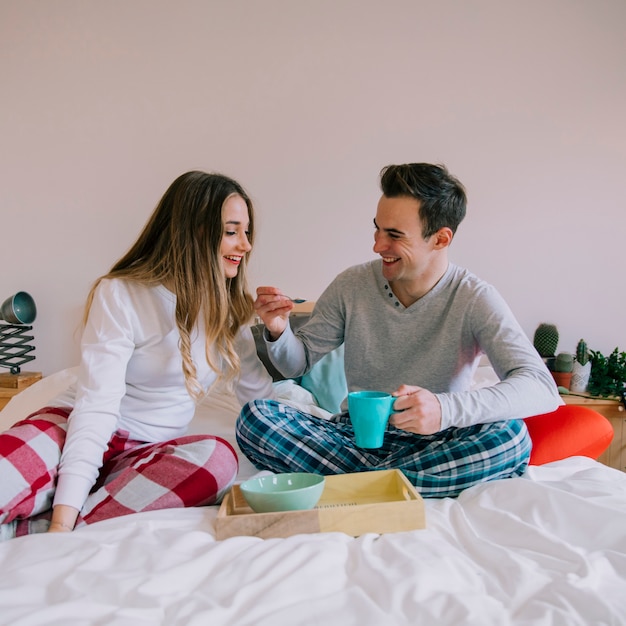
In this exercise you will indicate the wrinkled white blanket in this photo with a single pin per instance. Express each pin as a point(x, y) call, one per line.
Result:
point(548, 548)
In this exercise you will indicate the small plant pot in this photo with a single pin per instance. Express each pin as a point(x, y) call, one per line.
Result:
point(549, 361)
point(580, 377)
point(562, 379)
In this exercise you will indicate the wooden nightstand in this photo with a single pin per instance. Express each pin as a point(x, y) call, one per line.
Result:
point(613, 410)
point(12, 384)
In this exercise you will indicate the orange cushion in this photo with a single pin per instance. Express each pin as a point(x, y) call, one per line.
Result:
point(568, 431)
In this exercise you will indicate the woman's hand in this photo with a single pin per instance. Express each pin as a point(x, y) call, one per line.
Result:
point(273, 307)
point(420, 411)
point(63, 519)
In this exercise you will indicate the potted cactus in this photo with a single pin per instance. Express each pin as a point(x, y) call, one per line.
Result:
point(582, 368)
point(563, 366)
point(545, 340)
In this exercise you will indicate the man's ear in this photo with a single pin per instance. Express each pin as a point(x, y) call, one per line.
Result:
point(443, 238)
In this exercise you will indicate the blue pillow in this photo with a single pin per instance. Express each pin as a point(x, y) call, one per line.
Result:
point(327, 381)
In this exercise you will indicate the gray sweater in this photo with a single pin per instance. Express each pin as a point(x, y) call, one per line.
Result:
point(436, 343)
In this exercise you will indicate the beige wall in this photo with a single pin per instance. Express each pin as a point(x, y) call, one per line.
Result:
point(105, 103)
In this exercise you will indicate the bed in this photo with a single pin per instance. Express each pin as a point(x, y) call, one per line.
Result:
point(548, 548)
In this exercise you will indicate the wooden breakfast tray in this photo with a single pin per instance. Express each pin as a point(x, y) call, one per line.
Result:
point(355, 504)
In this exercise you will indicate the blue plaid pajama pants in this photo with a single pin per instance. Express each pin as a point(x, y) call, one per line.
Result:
point(278, 437)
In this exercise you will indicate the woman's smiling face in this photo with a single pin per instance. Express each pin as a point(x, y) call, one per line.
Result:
point(235, 243)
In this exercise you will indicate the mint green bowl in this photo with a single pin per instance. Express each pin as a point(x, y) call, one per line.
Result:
point(296, 491)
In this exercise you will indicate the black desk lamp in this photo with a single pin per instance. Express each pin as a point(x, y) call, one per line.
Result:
point(19, 311)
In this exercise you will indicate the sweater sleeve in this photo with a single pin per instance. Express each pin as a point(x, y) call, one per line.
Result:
point(254, 381)
point(294, 354)
point(287, 353)
point(526, 387)
point(106, 347)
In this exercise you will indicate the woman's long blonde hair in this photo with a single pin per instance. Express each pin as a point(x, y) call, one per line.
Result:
point(180, 247)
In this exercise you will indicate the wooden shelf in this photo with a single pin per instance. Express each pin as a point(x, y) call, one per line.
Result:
point(12, 384)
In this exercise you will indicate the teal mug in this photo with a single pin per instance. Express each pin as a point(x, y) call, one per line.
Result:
point(369, 414)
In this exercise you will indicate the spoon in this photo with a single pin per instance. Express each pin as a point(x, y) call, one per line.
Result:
point(297, 300)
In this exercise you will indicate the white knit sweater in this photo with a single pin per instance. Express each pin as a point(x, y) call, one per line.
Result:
point(131, 378)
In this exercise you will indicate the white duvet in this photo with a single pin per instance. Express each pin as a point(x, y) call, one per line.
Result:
point(548, 548)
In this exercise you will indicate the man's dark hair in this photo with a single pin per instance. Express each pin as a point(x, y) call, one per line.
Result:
point(441, 196)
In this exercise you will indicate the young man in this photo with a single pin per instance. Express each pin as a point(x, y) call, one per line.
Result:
point(414, 325)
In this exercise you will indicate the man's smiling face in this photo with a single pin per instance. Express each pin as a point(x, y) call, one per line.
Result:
point(398, 239)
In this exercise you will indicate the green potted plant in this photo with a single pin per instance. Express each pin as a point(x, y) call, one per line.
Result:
point(545, 340)
point(563, 366)
point(582, 368)
point(608, 374)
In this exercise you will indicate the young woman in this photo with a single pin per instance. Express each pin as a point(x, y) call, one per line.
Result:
point(168, 321)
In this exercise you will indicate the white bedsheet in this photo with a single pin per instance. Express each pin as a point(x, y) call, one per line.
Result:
point(546, 549)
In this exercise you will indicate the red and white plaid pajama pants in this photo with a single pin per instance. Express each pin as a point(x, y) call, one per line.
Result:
point(193, 470)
